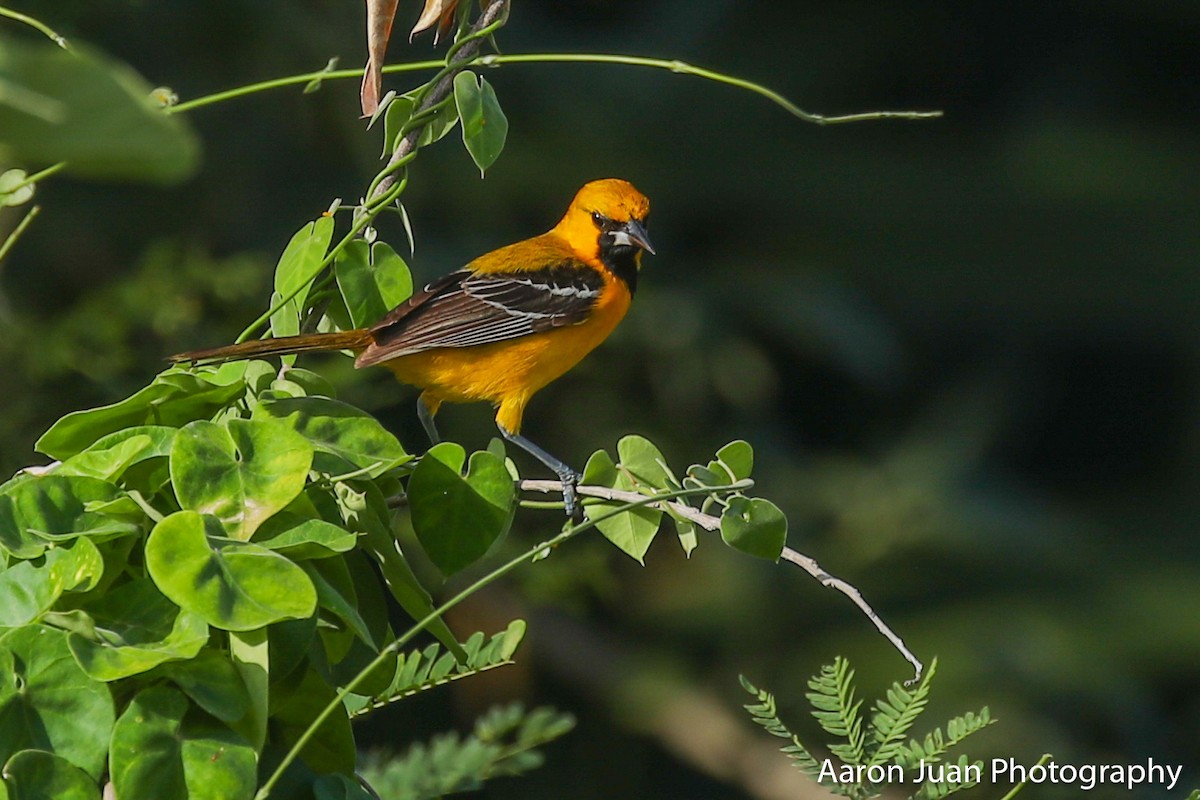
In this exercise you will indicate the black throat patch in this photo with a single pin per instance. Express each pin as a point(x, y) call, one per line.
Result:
point(621, 260)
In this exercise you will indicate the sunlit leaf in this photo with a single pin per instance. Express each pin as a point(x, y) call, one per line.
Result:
point(241, 472)
point(339, 429)
point(9, 194)
point(139, 628)
point(233, 586)
point(175, 398)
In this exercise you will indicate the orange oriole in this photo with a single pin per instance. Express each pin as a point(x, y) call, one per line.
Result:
point(508, 323)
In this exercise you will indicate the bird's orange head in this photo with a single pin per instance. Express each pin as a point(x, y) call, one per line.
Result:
point(606, 222)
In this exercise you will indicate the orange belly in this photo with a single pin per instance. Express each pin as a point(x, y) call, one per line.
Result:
point(508, 373)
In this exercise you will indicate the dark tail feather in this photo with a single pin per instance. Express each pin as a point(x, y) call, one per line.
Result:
point(284, 345)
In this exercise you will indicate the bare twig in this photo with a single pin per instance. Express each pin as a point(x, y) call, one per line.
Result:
point(709, 522)
point(813, 568)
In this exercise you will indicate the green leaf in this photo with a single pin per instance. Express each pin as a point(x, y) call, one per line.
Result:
point(299, 538)
point(738, 458)
point(686, 531)
point(391, 274)
point(754, 526)
point(91, 111)
point(458, 518)
point(297, 266)
point(251, 655)
point(156, 754)
point(241, 472)
point(38, 775)
point(212, 681)
point(35, 512)
point(641, 458)
point(331, 749)
point(48, 703)
point(484, 125)
point(400, 110)
point(232, 586)
point(173, 399)
point(335, 594)
point(338, 429)
point(110, 456)
point(631, 531)
point(372, 279)
point(352, 269)
point(137, 629)
point(14, 197)
point(28, 590)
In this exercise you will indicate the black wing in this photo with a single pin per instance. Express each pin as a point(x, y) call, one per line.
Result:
point(465, 309)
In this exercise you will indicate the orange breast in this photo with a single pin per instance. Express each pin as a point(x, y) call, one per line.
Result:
point(508, 373)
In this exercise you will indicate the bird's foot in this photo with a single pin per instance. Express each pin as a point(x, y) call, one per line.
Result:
point(570, 485)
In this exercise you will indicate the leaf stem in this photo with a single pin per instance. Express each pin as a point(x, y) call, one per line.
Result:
point(684, 68)
point(292, 80)
point(17, 231)
point(1016, 789)
point(37, 25)
point(496, 60)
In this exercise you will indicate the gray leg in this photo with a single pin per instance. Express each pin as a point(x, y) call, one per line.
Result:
point(426, 416)
point(569, 477)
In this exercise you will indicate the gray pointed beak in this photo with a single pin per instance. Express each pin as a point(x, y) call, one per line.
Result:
point(633, 232)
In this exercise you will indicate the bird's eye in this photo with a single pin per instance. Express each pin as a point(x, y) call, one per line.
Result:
point(600, 220)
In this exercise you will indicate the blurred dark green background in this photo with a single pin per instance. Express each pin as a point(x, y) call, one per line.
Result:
point(965, 350)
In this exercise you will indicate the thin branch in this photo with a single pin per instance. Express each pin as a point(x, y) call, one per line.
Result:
point(709, 522)
point(813, 568)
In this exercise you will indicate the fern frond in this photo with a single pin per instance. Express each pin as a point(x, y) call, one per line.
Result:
point(835, 709)
point(764, 714)
point(937, 744)
point(418, 671)
point(503, 743)
point(896, 715)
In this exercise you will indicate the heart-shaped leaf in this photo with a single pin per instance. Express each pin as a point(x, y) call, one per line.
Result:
point(644, 461)
point(631, 531)
point(754, 526)
point(139, 628)
point(241, 472)
point(156, 754)
point(230, 585)
point(484, 125)
point(458, 518)
point(48, 703)
point(28, 590)
point(338, 429)
point(39, 775)
point(51, 508)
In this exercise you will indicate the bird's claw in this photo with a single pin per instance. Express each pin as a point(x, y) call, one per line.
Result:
point(570, 483)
